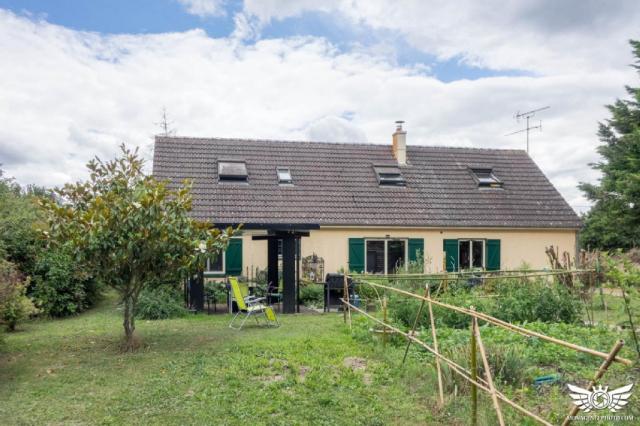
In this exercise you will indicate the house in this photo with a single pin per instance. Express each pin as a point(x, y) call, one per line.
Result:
point(371, 207)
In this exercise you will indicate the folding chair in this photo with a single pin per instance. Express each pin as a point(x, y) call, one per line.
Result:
point(251, 306)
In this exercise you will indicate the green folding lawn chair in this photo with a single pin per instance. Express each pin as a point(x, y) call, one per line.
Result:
point(251, 306)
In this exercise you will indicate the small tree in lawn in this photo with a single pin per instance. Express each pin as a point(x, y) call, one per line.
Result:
point(131, 230)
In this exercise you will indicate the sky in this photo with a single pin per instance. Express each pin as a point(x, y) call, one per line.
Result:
point(79, 78)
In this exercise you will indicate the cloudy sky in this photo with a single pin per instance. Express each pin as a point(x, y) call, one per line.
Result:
point(77, 78)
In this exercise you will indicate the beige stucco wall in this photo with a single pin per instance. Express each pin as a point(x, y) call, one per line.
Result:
point(332, 244)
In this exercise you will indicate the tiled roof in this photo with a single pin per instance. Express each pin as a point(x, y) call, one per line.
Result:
point(335, 184)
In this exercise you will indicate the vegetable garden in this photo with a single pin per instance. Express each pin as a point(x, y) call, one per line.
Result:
point(467, 325)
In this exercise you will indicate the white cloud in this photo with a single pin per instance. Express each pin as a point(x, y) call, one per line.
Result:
point(66, 96)
point(204, 8)
point(334, 129)
point(542, 36)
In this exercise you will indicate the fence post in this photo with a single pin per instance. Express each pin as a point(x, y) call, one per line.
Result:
point(603, 369)
point(474, 374)
point(487, 371)
point(435, 347)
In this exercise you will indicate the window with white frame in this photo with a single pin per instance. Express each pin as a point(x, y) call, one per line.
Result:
point(215, 263)
point(385, 256)
point(284, 175)
point(471, 254)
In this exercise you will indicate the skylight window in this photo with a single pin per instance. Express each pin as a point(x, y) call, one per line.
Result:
point(232, 171)
point(389, 176)
point(284, 175)
point(486, 178)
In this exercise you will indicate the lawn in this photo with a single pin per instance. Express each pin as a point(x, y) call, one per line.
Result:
point(195, 370)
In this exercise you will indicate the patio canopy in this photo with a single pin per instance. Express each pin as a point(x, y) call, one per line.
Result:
point(290, 238)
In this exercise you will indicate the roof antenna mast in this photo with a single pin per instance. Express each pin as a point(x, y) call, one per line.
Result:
point(165, 124)
point(527, 115)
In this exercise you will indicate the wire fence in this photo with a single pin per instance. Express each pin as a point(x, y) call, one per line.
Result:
point(485, 383)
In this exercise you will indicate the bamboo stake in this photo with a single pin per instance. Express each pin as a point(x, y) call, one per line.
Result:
point(508, 326)
point(435, 346)
point(474, 375)
point(345, 295)
point(384, 320)
point(603, 369)
point(461, 371)
point(506, 273)
point(415, 324)
point(487, 371)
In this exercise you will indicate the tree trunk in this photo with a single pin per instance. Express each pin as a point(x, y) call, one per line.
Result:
point(129, 324)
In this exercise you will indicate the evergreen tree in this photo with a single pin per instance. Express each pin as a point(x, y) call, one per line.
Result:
point(614, 220)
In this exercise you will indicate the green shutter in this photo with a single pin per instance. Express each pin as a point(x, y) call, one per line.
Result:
point(416, 245)
point(493, 255)
point(356, 255)
point(450, 248)
point(233, 257)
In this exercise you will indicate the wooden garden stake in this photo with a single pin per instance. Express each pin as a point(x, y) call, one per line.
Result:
point(435, 346)
point(603, 369)
point(345, 299)
point(415, 324)
point(384, 320)
point(474, 375)
point(487, 371)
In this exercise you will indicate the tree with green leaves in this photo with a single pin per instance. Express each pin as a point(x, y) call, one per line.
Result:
point(614, 220)
point(20, 217)
point(132, 231)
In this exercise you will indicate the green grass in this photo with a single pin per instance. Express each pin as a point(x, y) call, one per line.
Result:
point(195, 370)
point(615, 313)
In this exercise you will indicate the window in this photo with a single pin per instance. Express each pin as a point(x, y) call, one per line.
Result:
point(486, 178)
point(216, 263)
point(232, 171)
point(284, 175)
point(471, 254)
point(389, 176)
point(385, 256)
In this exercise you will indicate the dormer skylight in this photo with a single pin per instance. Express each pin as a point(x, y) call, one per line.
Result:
point(232, 171)
point(389, 176)
point(486, 178)
point(284, 176)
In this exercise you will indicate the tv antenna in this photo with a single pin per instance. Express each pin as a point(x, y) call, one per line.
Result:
point(165, 124)
point(527, 116)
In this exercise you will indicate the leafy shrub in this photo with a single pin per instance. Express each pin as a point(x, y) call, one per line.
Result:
point(508, 365)
point(19, 220)
point(404, 309)
point(536, 301)
point(62, 287)
point(312, 295)
point(15, 306)
point(215, 291)
point(160, 303)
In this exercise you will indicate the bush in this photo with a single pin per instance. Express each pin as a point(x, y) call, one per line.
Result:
point(215, 291)
point(20, 218)
point(61, 287)
point(312, 294)
point(536, 301)
point(160, 303)
point(405, 309)
point(508, 366)
point(15, 306)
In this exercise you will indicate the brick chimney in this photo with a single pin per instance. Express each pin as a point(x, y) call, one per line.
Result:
point(400, 144)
